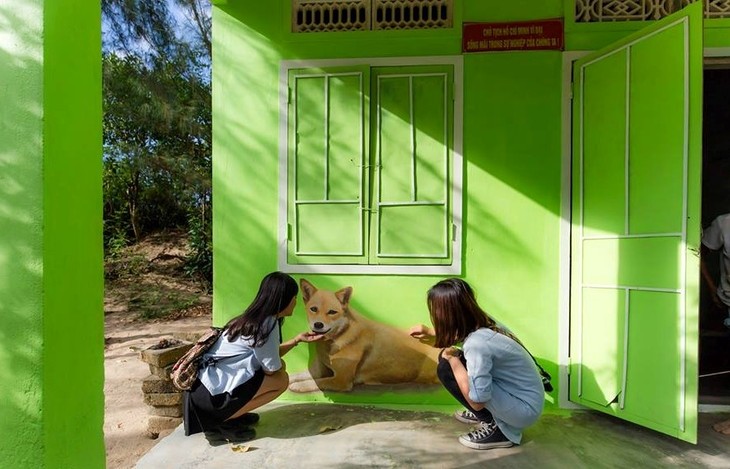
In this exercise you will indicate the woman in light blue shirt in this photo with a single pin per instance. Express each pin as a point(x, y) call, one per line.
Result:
point(243, 370)
point(494, 377)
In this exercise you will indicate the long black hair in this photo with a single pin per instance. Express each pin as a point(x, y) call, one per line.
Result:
point(275, 293)
point(455, 313)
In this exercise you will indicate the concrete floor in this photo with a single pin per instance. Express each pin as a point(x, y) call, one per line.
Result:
point(320, 435)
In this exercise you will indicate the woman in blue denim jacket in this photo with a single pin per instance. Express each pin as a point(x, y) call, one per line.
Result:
point(492, 375)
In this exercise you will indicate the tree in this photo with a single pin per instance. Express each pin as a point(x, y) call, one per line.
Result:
point(157, 122)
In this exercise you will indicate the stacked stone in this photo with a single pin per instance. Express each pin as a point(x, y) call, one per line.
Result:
point(164, 399)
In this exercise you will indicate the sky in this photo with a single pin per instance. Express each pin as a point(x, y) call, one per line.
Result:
point(186, 29)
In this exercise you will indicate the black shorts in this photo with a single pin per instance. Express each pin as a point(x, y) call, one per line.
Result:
point(202, 411)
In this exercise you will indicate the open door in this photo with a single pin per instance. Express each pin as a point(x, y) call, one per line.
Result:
point(637, 137)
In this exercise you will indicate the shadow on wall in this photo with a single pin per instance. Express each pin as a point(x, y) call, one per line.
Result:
point(21, 218)
point(247, 155)
point(242, 217)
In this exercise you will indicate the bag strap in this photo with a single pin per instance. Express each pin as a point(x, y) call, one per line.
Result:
point(212, 361)
point(543, 373)
point(542, 370)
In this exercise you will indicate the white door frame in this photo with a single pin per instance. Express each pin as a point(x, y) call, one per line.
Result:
point(565, 225)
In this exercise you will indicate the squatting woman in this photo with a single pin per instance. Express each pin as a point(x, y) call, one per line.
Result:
point(492, 375)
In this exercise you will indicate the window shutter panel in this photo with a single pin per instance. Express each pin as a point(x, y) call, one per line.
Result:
point(327, 180)
point(413, 137)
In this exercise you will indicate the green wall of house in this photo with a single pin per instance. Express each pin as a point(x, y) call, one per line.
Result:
point(21, 248)
point(512, 172)
point(51, 279)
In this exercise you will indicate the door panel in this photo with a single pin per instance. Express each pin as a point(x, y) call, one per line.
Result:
point(653, 374)
point(605, 262)
point(604, 190)
point(637, 127)
point(656, 139)
point(602, 353)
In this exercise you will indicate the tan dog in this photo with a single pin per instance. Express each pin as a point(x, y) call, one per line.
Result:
point(356, 350)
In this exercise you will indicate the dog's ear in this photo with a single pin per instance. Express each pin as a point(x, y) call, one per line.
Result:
point(344, 295)
point(307, 289)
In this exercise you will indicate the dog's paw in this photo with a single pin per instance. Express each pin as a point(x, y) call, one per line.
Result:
point(303, 386)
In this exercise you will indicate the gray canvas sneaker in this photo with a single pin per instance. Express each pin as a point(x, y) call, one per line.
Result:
point(466, 416)
point(486, 435)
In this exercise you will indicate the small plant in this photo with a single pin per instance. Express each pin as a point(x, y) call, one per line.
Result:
point(199, 262)
point(158, 303)
point(116, 243)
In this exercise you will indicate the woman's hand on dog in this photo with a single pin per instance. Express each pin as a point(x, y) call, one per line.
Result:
point(308, 337)
point(423, 333)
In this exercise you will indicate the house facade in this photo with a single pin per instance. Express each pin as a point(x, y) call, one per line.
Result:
point(385, 145)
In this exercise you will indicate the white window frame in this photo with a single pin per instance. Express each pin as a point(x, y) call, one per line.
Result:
point(458, 168)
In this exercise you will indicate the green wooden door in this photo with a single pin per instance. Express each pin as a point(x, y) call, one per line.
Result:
point(637, 129)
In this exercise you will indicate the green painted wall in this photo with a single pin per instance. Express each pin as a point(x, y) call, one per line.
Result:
point(512, 182)
point(21, 238)
point(73, 253)
point(513, 162)
point(51, 278)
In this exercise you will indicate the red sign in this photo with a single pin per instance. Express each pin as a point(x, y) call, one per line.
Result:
point(523, 35)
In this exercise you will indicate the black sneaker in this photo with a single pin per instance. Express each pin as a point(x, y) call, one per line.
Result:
point(227, 433)
point(466, 416)
point(249, 418)
point(486, 435)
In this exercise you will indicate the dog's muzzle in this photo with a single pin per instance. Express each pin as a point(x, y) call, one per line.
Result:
point(318, 327)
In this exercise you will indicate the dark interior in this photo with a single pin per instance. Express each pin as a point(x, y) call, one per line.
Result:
point(714, 357)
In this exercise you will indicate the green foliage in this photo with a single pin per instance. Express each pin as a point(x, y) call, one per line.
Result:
point(200, 261)
point(157, 124)
point(116, 242)
point(156, 145)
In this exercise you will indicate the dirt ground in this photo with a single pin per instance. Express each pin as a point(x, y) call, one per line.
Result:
point(145, 280)
point(125, 419)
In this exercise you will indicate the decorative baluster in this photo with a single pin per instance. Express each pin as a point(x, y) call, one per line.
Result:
point(605, 11)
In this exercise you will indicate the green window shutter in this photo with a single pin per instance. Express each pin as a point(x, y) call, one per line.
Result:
point(326, 169)
point(412, 136)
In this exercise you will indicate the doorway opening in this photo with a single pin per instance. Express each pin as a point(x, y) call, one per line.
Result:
point(714, 341)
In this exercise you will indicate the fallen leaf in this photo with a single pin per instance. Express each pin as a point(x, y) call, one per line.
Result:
point(240, 448)
point(329, 428)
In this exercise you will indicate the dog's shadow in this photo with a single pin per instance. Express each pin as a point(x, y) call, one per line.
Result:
point(298, 420)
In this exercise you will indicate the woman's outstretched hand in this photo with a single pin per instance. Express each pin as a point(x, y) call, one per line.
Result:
point(308, 337)
point(423, 333)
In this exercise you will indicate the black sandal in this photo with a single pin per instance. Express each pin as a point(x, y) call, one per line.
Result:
point(249, 418)
point(230, 433)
